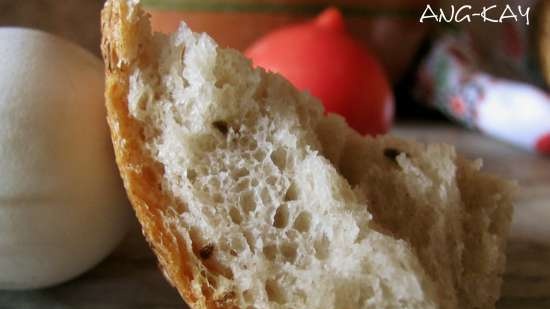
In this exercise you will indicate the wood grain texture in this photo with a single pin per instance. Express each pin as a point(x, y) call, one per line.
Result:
point(130, 278)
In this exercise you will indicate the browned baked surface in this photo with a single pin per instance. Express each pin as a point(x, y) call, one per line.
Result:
point(139, 173)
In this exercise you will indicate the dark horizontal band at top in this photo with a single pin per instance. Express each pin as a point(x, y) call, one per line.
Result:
point(363, 10)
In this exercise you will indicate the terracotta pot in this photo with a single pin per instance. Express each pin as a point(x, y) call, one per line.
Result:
point(389, 27)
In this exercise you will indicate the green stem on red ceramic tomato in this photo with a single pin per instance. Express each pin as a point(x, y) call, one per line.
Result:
point(320, 57)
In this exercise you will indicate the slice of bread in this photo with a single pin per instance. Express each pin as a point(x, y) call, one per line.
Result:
point(252, 198)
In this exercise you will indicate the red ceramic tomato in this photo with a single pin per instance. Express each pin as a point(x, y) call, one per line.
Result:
point(322, 58)
point(543, 144)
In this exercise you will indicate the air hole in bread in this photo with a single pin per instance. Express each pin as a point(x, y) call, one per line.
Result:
point(235, 215)
point(271, 180)
point(144, 99)
point(291, 193)
point(259, 155)
point(289, 251)
point(220, 82)
point(206, 252)
point(278, 157)
point(182, 57)
point(227, 297)
point(252, 144)
point(321, 246)
point(302, 222)
point(191, 175)
point(214, 183)
point(280, 220)
point(211, 263)
point(218, 198)
point(247, 202)
point(242, 185)
point(250, 241)
point(248, 296)
point(239, 173)
point(393, 153)
point(270, 252)
point(275, 293)
point(221, 126)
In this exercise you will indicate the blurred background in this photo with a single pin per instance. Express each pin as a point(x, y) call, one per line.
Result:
point(437, 70)
point(76, 20)
point(233, 23)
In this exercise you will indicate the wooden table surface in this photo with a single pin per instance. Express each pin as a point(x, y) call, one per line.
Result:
point(129, 278)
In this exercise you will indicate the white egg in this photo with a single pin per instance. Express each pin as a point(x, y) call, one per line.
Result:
point(62, 205)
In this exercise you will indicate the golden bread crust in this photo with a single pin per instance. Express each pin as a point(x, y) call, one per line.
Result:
point(139, 172)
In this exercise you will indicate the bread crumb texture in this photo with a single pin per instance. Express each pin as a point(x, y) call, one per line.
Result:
point(280, 206)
